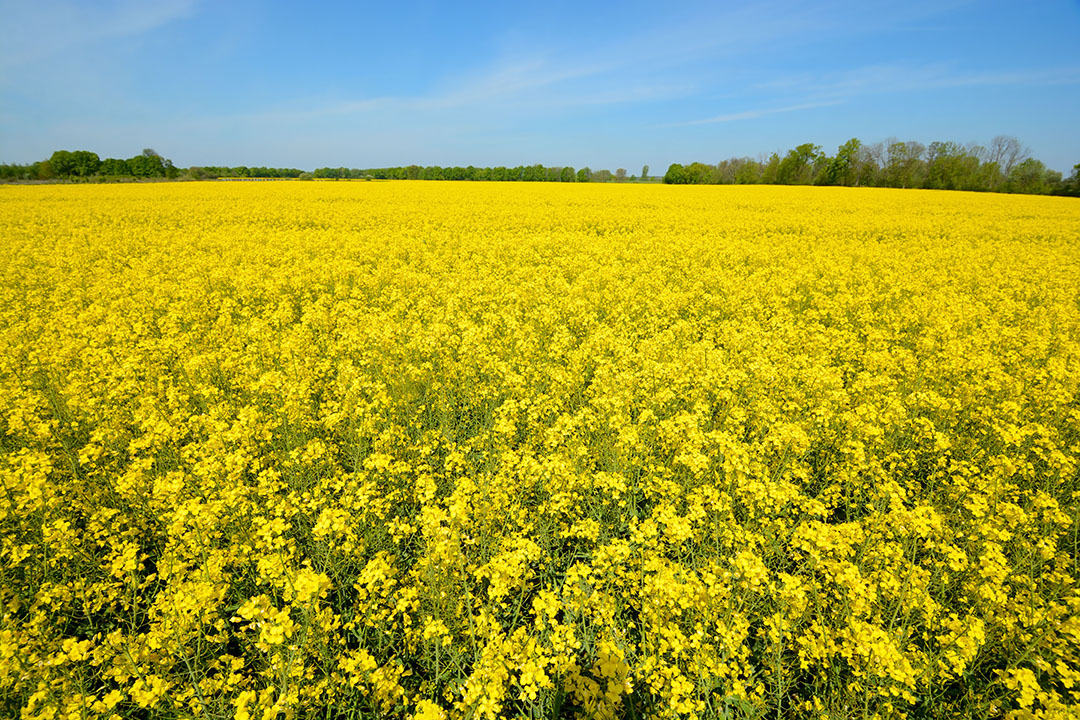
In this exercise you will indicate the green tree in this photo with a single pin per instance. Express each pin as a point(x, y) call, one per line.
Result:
point(675, 175)
point(904, 166)
point(1028, 176)
point(85, 163)
point(725, 170)
point(797, 166)
point(868, 163)
point(952, 167)
point(841, 170)
point(770, 169)
point(1007, 152)
point(1071, 185)
point(148, 164)
point(584, 175)
point(62, 164)
point(699, 173)
point(644, 172)
point(534, 173)
point(114, 167)
point(748, 172)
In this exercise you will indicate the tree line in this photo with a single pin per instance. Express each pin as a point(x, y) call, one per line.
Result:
point(521, 173)
point(211, 172)
point(87, 166)
point(1004, 165)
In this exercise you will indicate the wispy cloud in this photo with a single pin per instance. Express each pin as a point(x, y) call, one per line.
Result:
point(839, 88)
point(44, 28)
point(509, 86)
point(752, 114)
point(504, 79)
point(1056, 76)
point(893, 78)
point(657, 64)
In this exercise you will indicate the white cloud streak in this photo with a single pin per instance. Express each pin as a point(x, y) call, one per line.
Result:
point(879, 79)
point(44, 28)
point(753, 114)
point(892, 78)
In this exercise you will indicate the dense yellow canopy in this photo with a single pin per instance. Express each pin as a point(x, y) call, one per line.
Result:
point(452, 448)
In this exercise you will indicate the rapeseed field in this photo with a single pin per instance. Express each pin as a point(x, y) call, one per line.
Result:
point(344, 450)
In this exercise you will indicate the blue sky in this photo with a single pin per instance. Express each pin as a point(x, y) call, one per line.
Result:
point(606, 85)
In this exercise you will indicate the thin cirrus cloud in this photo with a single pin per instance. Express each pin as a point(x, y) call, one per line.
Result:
point(752, 114)
point(46, 28)
point(888, 78)
point(838, 88)
point(504, 87)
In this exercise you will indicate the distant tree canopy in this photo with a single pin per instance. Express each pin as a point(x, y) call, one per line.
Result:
point(81, 163)
point(208, 172)
point(1004, 165)
point(85, 165)
point(521, 173)
point(150, 164)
